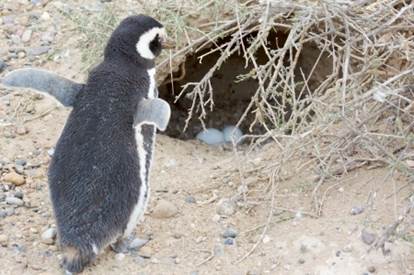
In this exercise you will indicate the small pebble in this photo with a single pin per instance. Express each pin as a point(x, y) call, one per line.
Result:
point(119, 256)
point(51, 151)
point(367, 237)
point(145, 252)
point(356, 210)
point(26, 36)
point(348, 248)
point(225, 207)
point(14, 179)
point(18, 194)
point(372, 269)
point(19, 169)
point(36, 51)
point(49, 236)
point(190, 199)
point(230, 233)
point(21, 162)
point(301, 261)
point(3, 65)
point(14, 201)
point(266, 239)
point(4, 240)
point(164, 210)
point(229, 241)
point(22, 130)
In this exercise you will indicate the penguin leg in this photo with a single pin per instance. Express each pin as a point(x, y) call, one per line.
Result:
point(76, 259)
point(121, 245)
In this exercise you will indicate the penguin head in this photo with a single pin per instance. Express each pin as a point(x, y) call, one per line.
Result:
point(140, 38)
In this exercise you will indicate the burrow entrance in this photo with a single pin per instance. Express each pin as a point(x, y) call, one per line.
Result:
point(231, 96)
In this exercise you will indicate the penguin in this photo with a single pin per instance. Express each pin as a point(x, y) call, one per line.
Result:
point(99, 174)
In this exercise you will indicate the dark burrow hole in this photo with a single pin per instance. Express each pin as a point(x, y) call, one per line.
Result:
point(231, 97)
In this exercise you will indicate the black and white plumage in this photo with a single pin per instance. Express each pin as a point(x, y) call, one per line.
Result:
point(98, 176)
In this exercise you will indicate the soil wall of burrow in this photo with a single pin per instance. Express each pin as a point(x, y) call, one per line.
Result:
point(231, 96)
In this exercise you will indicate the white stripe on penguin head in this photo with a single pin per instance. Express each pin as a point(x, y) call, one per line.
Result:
point(143, 44)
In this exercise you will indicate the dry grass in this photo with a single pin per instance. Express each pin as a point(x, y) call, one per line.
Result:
point(361, 114)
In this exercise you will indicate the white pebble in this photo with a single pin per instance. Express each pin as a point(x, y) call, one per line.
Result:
point(49, 236)
point(119, 256)
point(211, 136)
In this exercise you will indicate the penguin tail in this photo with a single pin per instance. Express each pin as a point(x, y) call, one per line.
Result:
point(76, 259)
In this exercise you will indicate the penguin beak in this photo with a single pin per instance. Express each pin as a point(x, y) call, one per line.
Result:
point(167, 43)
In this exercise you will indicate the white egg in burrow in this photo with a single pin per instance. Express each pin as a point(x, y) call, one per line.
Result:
point(211, 136)
point(232, 133)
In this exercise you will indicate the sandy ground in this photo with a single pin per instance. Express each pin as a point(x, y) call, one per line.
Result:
point(193, 179)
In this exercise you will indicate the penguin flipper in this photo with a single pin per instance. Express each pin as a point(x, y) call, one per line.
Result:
point(153, 111)
point(63, 89)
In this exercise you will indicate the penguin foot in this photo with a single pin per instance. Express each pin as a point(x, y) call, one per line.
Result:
point(75, 260)
point(121, 245)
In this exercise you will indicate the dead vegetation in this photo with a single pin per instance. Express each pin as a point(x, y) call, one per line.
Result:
point(358, 113)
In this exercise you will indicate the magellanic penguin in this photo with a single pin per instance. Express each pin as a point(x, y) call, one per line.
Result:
point(98, 175)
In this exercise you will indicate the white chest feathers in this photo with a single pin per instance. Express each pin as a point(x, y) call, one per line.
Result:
point(151, 91)
point(143, 156)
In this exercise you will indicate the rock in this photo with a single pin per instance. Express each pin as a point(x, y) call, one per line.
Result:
point(309, 244)
point(26, 36)
point(21, 162)
point(266, 239)
point(372, 269)
point(14, 178)
point(119, 257)
point(36, 51)
point(211, 136)
point(4, 240)
point(301, 261)
point(3, 65)
point(367, 237)
point(137, 243)
point(18, 194)
point(232, 133)
point(145, 252)
point(348, 248)
point(229, 241)
point(356, 210)
point(3, 214)
point(22, 130)
point(225, 207)
point(2, 197)
point(164, 210)
point(9, 211)
point(190, 199)
point(14, 201)
point(51, 151)
point(230, 233)
point(45, 16)
point(19, 169)
point(48, 37)
point(49, 236)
